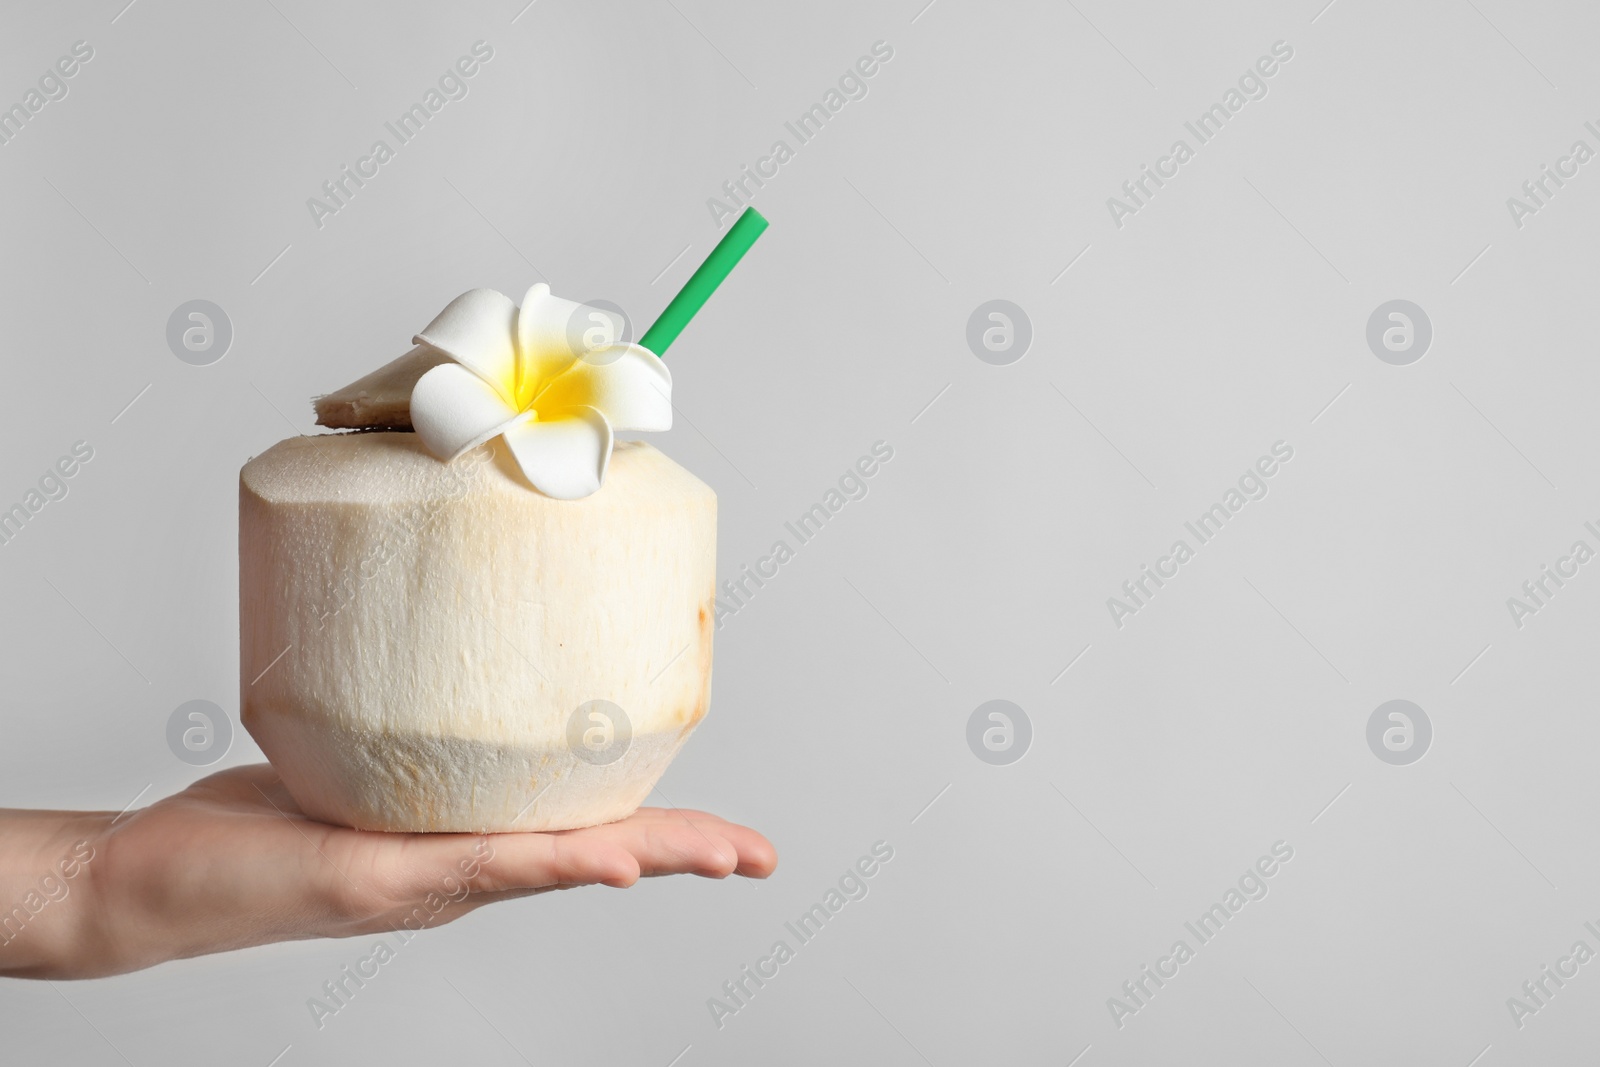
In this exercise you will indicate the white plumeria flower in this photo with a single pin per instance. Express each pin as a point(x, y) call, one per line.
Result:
point(517, 375)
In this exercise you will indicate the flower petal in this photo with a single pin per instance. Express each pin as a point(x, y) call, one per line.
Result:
point(478, 330)
point(454, 411)
point(628, 383)
point(565, 456)
point(552, 333)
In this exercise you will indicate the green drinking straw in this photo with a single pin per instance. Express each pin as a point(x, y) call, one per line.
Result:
point(698, 289)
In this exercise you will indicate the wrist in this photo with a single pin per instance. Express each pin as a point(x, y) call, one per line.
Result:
point(49, 909)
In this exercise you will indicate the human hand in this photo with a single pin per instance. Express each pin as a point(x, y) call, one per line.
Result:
point(231, 862)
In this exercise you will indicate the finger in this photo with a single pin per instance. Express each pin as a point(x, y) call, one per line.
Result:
point(668, 846)
point(412, 865)
point(713, 856)
point(538, 861)
point(757, 857)
point(717, 856)
point(498, 866)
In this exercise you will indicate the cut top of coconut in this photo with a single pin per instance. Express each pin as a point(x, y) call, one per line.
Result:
point(381, 400)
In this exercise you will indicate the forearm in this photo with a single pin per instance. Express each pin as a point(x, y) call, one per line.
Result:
point(49, 913)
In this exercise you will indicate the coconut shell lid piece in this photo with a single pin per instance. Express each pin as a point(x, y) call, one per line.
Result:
point(382, 399)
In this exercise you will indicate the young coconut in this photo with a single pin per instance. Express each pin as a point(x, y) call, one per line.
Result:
point(439, 647)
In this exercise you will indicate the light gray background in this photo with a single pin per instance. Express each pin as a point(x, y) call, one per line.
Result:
point(1175, 350)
